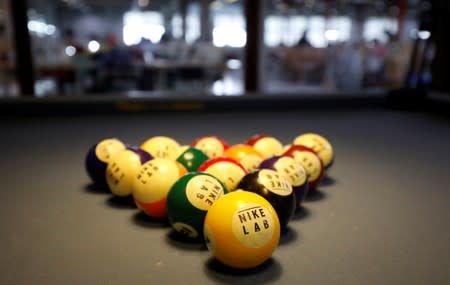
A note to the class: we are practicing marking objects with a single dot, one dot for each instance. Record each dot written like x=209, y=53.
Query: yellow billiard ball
x=162, y=147
x=266, y=145
x=122, y=168
x=241, y=230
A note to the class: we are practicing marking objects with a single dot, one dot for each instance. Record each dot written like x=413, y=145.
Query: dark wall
x=441, y=65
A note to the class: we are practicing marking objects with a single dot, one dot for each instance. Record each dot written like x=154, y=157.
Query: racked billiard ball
x=312, y=163
x=122, y=168
x=241, y=230
x=152, y=183
x=319, y=144
x=245, y=155
x=266, y=145
x=191, y=158
x=188, y=201
x=212, y=146
x=161, y=147
x=293, y=171
x=98, y=157
x=276, y=189
x=226, y=169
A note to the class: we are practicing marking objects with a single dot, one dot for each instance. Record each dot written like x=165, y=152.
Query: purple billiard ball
x=98, y=157
x=294, y=173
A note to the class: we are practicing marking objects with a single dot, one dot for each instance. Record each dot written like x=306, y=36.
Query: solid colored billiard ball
x=188, y=201
x=312, y=163
x=266, y=145
x=191, y=158
x=275, y=188
x=152, y=183
x=241, y=230
x=212, y=146
x=293, y=171
x=226, y=169
x=122, y=168
x=319, y=144
x=98, y=157
x=245, y=155
x=162, y=147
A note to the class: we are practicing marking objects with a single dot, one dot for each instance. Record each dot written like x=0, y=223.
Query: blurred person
x=303, y=59
x=397, y=61
x=374, y=64
x=348, y=66
x=117, y=67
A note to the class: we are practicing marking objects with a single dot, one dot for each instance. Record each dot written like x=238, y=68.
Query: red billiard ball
x=293, y=171
x=227, y=170
x=319, y=144
x=212, y=146
x=275, y=188
x=312, y=163
x=152, y=183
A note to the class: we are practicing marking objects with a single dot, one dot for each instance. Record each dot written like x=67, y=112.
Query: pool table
x=381, y=215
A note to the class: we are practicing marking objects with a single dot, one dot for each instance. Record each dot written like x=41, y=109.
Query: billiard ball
x=122, y=168
x=293, y=171
x=275, y=188
x=241, y=230
x=188, y=201
x=152, y=183
x=212, y=146
x=226, y=169
x=245, y=155
x=191, y=158
x=266, y=145
x=319, y=144
x=98, y=157
x=161, y=147
x=312, y=163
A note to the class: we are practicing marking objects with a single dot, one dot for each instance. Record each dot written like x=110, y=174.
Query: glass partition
x=339, y=46
x=92, y=47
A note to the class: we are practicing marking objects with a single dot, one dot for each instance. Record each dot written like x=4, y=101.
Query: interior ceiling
x=320, y=6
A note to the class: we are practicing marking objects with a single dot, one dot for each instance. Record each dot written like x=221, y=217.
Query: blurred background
x=220, y=47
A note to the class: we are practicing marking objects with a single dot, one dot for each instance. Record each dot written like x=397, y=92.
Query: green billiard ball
x=191, y=158
x=189, y=200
